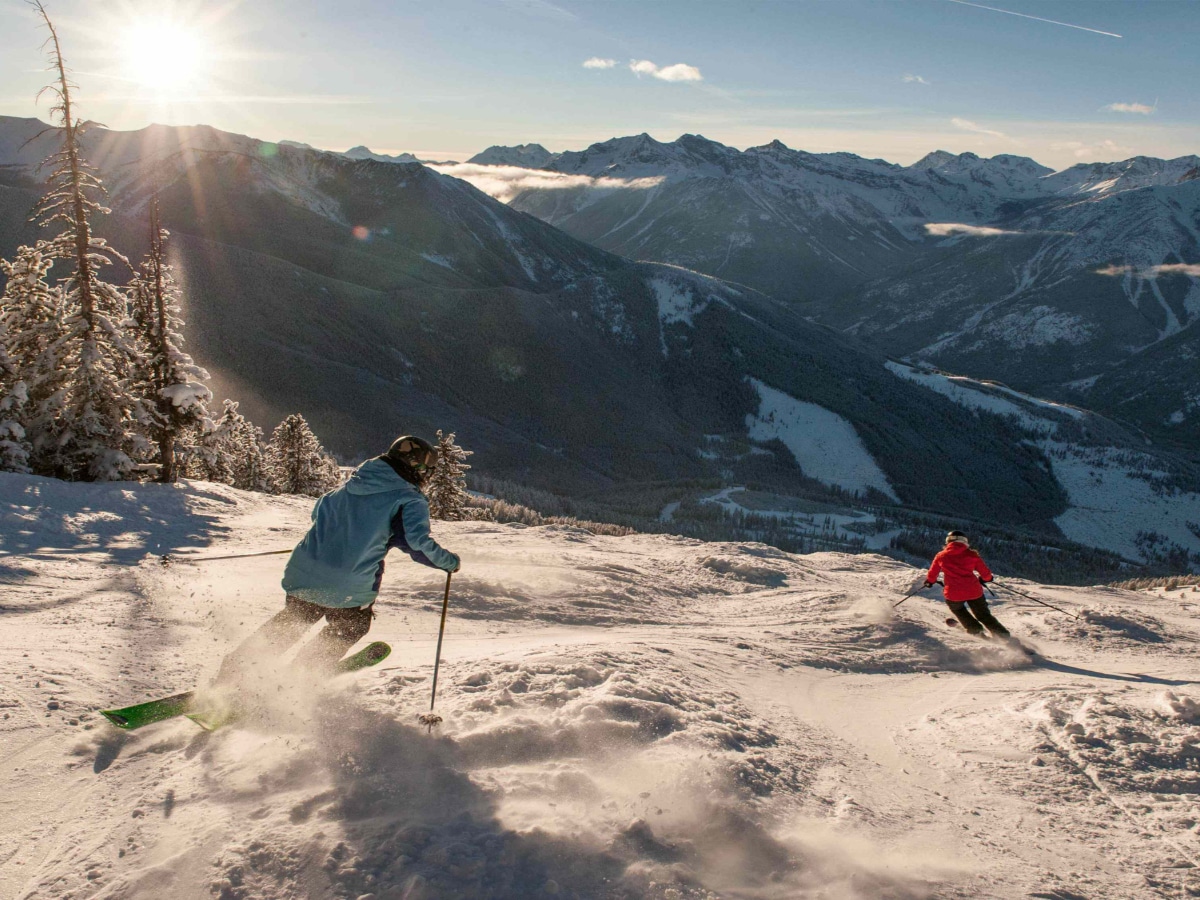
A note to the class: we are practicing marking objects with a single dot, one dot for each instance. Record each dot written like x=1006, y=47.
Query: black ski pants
x=343, y=629
x=975, y=616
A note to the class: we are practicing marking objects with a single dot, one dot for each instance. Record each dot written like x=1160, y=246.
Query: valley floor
x=645, y=716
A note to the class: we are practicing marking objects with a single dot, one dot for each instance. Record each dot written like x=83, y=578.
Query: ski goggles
x=427, y=462
x=420, y=459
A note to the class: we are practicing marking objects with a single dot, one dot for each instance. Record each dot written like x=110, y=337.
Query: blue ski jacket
x=339, y=563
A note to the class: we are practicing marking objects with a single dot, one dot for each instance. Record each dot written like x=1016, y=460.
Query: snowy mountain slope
x=796, y=225
x=826, y=445
x=1091, y=267
x=1158, y=387
x=1129, y=174
x=849, y=196
x=384, y=297
x=1081, y=271
x=1121, y=497
x=1076, y=290
x=639, y=717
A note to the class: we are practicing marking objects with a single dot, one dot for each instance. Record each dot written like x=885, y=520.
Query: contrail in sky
x=1037, y=18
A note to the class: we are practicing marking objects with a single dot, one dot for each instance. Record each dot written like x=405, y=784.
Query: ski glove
x=928, y=584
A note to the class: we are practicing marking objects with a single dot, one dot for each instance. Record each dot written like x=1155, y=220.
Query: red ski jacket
x=960, y=564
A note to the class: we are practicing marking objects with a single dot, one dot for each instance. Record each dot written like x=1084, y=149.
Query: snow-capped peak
x=524, y=156
x=1128, y=174
x=933, y=160
x=361, y=152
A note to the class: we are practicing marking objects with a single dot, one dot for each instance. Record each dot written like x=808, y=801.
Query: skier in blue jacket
x=336, y=570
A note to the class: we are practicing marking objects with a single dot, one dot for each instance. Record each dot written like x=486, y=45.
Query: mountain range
x=383, y=297
x=1075, y=284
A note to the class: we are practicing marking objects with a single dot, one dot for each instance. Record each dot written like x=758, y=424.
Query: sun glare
x=164, y=56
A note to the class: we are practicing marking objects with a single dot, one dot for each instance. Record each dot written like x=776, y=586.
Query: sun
x=164, y=56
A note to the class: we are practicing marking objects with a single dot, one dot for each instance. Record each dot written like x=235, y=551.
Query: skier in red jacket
x=965, y=575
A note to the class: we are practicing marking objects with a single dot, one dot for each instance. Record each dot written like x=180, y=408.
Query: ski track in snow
x=638, y=717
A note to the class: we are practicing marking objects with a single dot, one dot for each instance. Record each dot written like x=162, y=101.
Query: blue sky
x=445, y=79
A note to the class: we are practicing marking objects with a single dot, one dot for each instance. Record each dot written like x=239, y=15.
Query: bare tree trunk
x=83, y=235
x=170, y=424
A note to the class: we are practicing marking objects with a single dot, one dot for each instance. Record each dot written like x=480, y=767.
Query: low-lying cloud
x=597, y=62
x=914, y=79
x=1140, y=108
x=1192, y=270
x=506, y=182
x=677, y=72
x=949, y=229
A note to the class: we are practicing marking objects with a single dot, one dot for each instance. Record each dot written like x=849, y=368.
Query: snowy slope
x=624, y=717
x=1120, y=496
x=1090, y=284
x=824, y=444
x=1030, y=412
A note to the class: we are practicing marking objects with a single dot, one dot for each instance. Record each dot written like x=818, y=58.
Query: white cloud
x=505, y=182
x=597, y=63
x=677, y=72
x=910, y=79
x=968, y=125
x=948, y=229
x=1140, y=108
x=1192, y=270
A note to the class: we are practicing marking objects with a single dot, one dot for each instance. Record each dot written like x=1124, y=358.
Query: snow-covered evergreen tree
x=297, y=463
x=231, y=451
x=14, y=449
x=30, y=375
x=447, y=486
x=93, y=434
x=165, y=375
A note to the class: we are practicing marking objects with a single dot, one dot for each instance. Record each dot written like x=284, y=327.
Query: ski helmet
x=417, y=454
x=957, y=537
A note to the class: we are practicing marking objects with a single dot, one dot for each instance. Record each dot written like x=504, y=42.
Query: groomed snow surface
x=639, y=717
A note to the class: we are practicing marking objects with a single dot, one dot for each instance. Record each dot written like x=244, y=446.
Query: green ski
x=131, y=717
x=370, y=655
x=140, y=714
x=212, y=719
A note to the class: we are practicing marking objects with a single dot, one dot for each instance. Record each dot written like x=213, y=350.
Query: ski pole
x=912, y=593
x=430, y=719
x=167, y=559
x=1043, y=602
